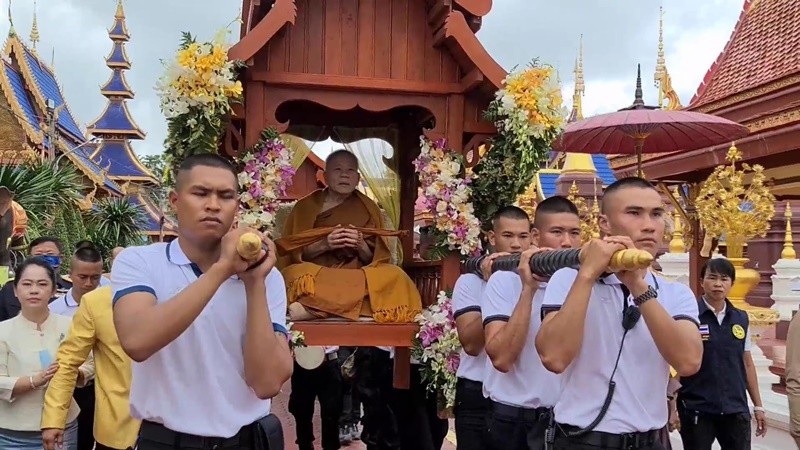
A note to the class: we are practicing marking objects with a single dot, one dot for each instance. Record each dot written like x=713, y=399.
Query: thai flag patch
x=704, y=333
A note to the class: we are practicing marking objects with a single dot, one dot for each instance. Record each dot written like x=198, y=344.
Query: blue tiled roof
x=604, y=171
x=84, y=157
x=118, y=29
x=548, y=181
x=151, y=223
x=117, y=83
x=18, y=88
x=116, y=120
x=119, y=155
x=48, y=86
x=117, y=56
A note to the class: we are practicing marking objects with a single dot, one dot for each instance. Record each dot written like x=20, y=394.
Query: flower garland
x=446, y=194
x=197, y=92
x=438, y=348
x=529, y=114
x=266, y=174
x=296, y=338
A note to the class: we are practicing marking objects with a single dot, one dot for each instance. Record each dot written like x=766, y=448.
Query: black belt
x=610, y=440
x=526, y=414
x=160, y=434
x=470, y=385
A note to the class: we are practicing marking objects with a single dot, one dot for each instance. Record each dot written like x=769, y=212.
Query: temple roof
x=153, y=216
x=117, y=86
x=124, y=165
x=115, y=120
x=119, y=31
x=118, y=57
x=546, y=179
x=762, y=49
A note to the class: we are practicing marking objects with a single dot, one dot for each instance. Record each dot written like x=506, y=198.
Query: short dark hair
x=206, y=160
x=509, y=212
x=556, y=204
x=88, y=255
x=35, y=261
x=623, y=183
x=719, y=266
x=45, y=239
x=343, y=153
x=84, y=243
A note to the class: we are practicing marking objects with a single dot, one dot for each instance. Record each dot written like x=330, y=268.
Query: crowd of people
x=184, y=343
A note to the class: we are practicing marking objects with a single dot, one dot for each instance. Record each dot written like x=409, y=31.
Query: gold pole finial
x=788, y=244
x=120, y=10
x=676, y=244
x=580, y=85
x=34, y=28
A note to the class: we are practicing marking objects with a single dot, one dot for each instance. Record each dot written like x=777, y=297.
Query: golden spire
x=34, y=28
x=662, y=78
x=788, y=245
x=580, y=86
x=594, y=221
x=578, y=163
x=120, y=11
x=11, y=30
x=676, y=245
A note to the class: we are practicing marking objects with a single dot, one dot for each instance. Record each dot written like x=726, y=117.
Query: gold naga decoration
x=590, y=216
x=729, y=207
x=85, y=203
x=662, y=78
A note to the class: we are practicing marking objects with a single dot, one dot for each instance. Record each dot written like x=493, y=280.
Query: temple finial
x=11, y=30
x=788, y=244
x=580, y=85
x=120, y=10
x=676, y=244
x=639, y=100
x=34, y=28
x=660, y=60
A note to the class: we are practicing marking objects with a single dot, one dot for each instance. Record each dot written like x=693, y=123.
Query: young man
x=323, y=383
x=712, y=404
x=510, y=233
x=589, y=313
x=85, y=272
x=521, y=390
x=206, y=331
x=92, y=331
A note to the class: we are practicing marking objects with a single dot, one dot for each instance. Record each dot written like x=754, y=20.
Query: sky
x=617, y=35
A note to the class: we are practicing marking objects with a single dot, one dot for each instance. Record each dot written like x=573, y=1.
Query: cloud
x=618, y=35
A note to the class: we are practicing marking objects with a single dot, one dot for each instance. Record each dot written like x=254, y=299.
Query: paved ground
x=280, y=406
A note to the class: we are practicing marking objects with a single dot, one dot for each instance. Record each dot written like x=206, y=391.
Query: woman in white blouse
x=28, y=345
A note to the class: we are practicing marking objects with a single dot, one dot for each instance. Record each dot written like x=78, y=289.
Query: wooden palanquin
x=390, y=69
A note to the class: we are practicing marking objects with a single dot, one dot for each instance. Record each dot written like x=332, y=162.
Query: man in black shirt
x=49, y=248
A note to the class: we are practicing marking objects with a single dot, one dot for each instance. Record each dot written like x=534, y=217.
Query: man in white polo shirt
x=615, y=336
x=522, y=391
x=510, y=233
x=86, y=274
x=206, y=331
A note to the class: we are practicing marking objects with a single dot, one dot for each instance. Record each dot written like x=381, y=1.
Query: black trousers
x=471, y=411
x=417, y=415
x=84, y=397
x=264, y=434
x=698, y=430
x=595, y=439
x=374, y=385
x=351, y=403
x=323, y=383
x=515, y=428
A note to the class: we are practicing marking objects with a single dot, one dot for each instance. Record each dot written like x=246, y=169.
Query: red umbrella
x=642, y=129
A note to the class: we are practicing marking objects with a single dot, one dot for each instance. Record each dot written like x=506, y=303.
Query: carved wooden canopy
x=365, y=63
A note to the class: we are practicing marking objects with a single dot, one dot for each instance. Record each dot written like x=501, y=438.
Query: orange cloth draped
x=336, y=282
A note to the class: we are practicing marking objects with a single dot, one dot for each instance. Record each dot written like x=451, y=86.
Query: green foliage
x=114, y=222
x=157, y=164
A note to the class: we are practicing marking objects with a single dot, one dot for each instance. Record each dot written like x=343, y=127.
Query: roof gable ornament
x=35, y=37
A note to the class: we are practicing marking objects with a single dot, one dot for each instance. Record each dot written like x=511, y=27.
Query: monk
x=344, y=272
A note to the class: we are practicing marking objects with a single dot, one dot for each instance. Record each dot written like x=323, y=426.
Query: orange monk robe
x=336, y=282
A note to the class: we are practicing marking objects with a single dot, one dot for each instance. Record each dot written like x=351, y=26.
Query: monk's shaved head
x=343, y=155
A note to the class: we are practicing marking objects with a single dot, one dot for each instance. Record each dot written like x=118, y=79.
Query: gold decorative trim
x=132, y=156
x=125, y=64
x=776, y=120
x=740, y=97
x=127, y=93
x=96, y=178
x=21, y=116
x=137, y=131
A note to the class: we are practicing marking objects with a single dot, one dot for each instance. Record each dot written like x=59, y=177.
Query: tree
x=157, y=164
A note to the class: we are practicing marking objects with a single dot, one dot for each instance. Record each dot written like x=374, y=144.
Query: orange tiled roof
x=763, y=48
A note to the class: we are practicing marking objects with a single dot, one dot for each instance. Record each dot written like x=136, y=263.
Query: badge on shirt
x=704, y=333
x=738, y=331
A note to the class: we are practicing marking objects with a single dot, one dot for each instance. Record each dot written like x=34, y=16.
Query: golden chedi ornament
x=788, y=244
x=590, y=227
x=737, y=211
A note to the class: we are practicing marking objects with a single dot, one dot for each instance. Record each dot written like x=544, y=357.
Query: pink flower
x=453, y=361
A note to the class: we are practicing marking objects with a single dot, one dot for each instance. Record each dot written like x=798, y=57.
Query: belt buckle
x=631, y=441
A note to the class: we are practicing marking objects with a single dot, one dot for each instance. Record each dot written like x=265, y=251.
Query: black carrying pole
x=544, y=264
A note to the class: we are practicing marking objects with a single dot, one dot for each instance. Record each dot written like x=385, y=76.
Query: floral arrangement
x=197, y=92
x=529, y=114
x=729, y=205
x=266, y=173
x=437, y=347
x=296, y=338
x=446, y=192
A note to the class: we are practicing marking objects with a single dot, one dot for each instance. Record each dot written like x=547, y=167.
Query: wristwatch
x=649, y=294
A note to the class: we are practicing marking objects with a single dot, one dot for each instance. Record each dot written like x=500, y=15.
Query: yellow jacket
x=93, y=330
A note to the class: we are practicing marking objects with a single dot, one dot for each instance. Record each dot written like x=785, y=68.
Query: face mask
x=53, y=261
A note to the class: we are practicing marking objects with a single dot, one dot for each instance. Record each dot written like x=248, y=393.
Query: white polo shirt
x=467, y=298
x=527, y=384
x=196, y=383
x=643, y=373
x=66, y=304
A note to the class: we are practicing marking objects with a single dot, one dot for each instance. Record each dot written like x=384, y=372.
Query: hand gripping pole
x=545, y=264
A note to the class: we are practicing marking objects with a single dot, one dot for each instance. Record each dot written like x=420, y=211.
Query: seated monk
x=335, y=258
